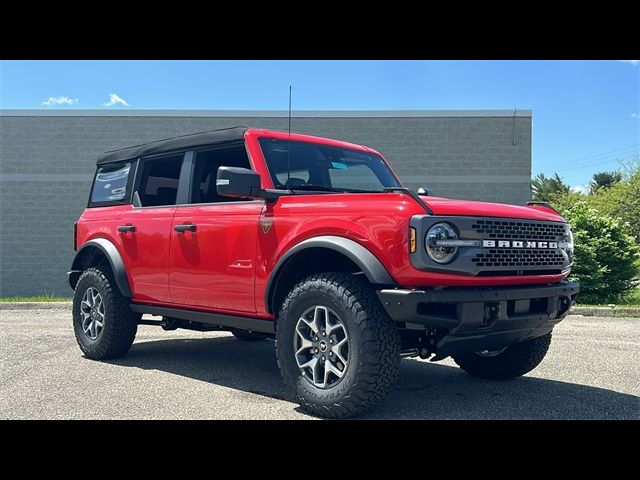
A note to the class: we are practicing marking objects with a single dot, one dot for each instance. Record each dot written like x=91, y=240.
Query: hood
x=467, y=208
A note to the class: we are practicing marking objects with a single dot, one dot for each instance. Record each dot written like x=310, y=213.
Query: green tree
x=565, y=201
x=548, y=189
x=605, y=255
x=622, y=200
x=604, y=180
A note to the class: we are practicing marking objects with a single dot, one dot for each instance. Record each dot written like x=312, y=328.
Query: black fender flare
x=115, y=260
x=366, y=261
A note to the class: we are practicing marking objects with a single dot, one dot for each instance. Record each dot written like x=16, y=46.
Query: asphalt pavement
x=591, y=372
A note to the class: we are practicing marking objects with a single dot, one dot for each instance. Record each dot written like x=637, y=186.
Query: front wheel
x=337, y=348
x=508, y=363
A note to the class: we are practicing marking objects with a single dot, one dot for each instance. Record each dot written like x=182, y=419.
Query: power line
x=601, y=161
x=593, y=156
x=616, y=156
x=599, y=164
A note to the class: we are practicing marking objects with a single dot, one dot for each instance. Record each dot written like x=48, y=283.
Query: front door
x=213, y=240
x=213, y=250
x=145, y=232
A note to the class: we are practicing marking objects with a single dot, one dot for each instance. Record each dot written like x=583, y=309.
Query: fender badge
x=266, y=225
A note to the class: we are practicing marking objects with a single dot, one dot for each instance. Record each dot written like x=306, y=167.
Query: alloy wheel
x=321, y=346
x=92, y=311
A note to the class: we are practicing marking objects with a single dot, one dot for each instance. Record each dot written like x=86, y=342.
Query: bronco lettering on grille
x=518, y=244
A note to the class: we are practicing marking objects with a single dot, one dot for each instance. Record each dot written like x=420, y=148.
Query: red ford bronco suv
x=314, y=242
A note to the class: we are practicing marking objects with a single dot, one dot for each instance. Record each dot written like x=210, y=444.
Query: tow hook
x=491, y=313
x=563, y=305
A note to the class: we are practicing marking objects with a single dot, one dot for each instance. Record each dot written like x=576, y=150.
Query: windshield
x=324, y=168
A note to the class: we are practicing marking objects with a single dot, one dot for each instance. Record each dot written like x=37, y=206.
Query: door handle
x=186, y=227
x=126, y=228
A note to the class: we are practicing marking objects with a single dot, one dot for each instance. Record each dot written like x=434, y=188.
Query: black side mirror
x=424, y=191
x=237, y=182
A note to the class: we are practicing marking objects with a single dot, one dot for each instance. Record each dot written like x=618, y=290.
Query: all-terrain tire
x=120, y=323
x=373, y=351
x=249, y=336
x=514, y=361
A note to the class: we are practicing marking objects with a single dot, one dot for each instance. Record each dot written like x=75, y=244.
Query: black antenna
x=289, y=143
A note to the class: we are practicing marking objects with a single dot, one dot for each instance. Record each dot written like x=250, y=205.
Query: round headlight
x=440, y=253
x=567, y=245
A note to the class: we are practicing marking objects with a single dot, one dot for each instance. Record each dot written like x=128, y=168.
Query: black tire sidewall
x=285, y=336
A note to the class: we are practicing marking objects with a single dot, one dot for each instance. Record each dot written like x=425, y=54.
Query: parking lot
x=590, y=372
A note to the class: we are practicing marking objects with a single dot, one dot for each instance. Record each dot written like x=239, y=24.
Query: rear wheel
x=246, y=336
x=510, y=362
x=104, y=325
x=337, y=348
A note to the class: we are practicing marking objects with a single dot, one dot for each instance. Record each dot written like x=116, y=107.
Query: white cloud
x=60, y=101
x=632, y=62
x=635, y=115
x=115, y=99
x=580, y=189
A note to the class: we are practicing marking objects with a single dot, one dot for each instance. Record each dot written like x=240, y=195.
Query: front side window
x=110, y=184
x=159, y=179
x=313, y=166
x=206, y=170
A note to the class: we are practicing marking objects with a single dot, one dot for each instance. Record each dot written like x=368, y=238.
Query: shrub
x=605, y=256
x=622, y=200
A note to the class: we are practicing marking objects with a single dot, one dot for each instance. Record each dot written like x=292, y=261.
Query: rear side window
x=110, y=184
x=159, y=181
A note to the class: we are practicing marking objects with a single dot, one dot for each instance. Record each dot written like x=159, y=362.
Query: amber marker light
x=412, y=240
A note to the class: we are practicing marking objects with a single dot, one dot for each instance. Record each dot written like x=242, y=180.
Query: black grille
x=518, y=257
x=499, y=246
x=518, y=230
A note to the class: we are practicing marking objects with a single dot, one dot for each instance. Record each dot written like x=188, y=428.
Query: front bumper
x=481, y=318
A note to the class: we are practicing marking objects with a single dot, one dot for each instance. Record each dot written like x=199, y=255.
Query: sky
x=586, y=114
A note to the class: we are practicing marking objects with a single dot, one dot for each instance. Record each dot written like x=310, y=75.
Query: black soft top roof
x=182, y=142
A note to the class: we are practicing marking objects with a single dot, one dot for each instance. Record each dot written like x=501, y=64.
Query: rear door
x=213, y=239
x=145, y=232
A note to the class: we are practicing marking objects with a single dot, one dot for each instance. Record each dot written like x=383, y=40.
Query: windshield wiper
x=322, y=188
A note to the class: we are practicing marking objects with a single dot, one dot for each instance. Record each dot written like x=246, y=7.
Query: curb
x=35, y=305
x=605, y=311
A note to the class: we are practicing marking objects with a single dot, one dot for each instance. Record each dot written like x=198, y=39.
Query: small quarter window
x=110, y=185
